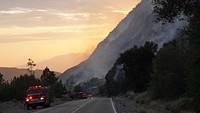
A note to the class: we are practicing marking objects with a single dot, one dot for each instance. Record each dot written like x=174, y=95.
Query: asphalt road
x=96, y=105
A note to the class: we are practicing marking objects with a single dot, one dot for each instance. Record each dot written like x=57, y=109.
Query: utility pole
x=30, y=65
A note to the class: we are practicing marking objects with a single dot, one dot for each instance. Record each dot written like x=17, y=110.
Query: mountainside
x=63, y=62
x=135, y=29
x=9, y=73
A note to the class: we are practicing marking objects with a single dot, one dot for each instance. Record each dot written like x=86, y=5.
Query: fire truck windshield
x=34, y=91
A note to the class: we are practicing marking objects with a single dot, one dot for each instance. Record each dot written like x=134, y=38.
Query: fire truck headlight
x=42, y=98
x=27, y=100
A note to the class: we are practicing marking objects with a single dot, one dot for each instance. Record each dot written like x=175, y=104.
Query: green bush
x=144, y=97
x=58, y=89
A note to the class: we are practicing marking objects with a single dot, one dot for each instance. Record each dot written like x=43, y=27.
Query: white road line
x=113, y=106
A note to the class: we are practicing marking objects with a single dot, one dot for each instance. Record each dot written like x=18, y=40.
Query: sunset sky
x=42, y=29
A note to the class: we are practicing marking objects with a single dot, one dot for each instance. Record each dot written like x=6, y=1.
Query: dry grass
x=144, y=104
x=1, y=110
x=186, y=112
x=140, y=107
x=159, y=103
x=143, y=109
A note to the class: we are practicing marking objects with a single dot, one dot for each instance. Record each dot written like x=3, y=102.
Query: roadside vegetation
x=16, y=89
x=169, y=76
x=13, y=93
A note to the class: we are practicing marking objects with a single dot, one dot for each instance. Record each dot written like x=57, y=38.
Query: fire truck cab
x=37, y=96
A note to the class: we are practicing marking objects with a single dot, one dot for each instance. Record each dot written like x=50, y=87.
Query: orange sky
x=42, y=29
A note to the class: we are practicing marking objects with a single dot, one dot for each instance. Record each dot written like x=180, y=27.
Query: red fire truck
x=37, y=96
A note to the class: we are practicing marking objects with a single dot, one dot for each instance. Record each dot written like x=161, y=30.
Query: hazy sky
x=42, y=29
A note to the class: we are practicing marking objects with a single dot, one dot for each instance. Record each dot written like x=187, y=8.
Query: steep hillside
x=135, y=29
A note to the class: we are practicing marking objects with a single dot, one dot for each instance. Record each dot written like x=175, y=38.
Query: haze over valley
x=41, y=30
x=99, y=56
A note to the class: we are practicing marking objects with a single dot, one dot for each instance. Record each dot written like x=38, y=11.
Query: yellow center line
x=82, y=106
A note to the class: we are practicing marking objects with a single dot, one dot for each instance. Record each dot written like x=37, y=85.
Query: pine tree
x=1, y=79
x=48, y=77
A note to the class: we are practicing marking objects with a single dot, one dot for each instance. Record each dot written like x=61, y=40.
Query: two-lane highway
x=96, y=105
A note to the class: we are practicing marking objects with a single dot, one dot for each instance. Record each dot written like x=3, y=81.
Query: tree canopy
x=168, y=78
x=169, y=11
x=136, y=70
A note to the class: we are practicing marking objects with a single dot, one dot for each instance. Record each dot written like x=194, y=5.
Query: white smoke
x=137, y=28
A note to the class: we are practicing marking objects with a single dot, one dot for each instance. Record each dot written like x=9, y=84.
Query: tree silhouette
x=31, y=65
x=169, y=11
x=168, y=78
x=48, y=77
x=1, y=79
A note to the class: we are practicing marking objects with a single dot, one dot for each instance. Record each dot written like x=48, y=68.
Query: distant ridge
x=9, y=73
x=62, y=62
